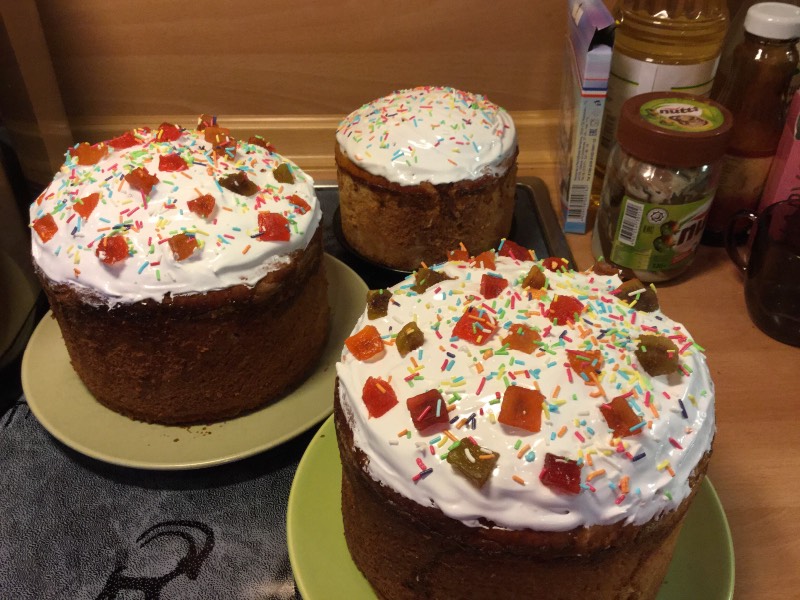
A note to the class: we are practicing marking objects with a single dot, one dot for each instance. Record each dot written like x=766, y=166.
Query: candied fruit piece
x=205, y=121
x=215, y=135
x=657, y=354
x=283, y=174
x=126, y=140
x=257, y=140
x=182, y=245
x=425, y=278
x=637, y=295
x=491, y=285
x=523, y=338
x=428, y=409
x=88, y=154
x=167, y=132
x=274, y=227
x=378, y=303
x=112, y=249
x=366, y=343
x=202, y=205
x=535, y=279
x=141, y=179
x=602, y=267
x=556, y=263
x=515, y=251
x=171, y=163
x=378, y=396
x=620, y=417
x=475, y=326
x=564, y=309
x=226, y=149
x=473, y=461
x=561, y=474
x=84, y=206
x=521, y=407
x=45, y=227
x=585, y=362
x=460, y=254
x=484, y=260
x=410, y=338
x=239, y=183
x=301, y=206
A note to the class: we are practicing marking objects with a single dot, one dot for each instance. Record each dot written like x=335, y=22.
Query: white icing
x=652, y=489
x=433, y=134
x=230, y=254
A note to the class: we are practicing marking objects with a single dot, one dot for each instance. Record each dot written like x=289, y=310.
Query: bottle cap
x=674, y=129
x=773, y=20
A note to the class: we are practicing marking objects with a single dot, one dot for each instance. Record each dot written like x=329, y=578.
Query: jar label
x=658, y=237
x=682, y=114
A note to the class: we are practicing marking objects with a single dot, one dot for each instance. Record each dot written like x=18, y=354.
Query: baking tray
x=535, y=226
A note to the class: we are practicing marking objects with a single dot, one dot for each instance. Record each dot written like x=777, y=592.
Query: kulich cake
x=184, y=268
x=421, y=171
x=506, y=425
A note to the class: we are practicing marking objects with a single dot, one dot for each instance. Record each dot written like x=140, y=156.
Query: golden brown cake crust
x=410, y=551
x=199, y=358
x=401, y=226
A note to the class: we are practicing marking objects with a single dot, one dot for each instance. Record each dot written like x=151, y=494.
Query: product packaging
x=587, y=64
x=783, y=182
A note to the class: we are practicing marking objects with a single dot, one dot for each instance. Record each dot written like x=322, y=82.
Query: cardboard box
x=590, y=36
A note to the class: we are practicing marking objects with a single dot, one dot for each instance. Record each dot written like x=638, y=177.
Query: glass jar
x=660, y=181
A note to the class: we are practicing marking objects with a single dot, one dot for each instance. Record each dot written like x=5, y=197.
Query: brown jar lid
x=674, y=129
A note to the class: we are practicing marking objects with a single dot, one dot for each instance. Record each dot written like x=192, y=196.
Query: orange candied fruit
x=620, y=417
x=378, y=396
x=45, y=227
x=491, y=286
x=182, y=245
x=215, y=135
x=141, y=179
x=485, y=260
x=112, y=249
x=257, y=140
x=365, y=344
x=202, y=205
x=564, y=309
x=171, y=163
x=167, y=132
x=84, y=206
x=88, y=154
x=126, y=140
x=459, y=254
x=515, y=251
x=475, y=326
x=301, y=206
x=523, y=338
x=585, y=362
x=522, y=408
x=204, y=121
x=273, y=227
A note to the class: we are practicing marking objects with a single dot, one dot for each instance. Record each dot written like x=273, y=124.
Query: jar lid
x=674, y=129
x=773, y=20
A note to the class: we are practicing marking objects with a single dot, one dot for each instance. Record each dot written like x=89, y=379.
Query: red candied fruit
x=167, y=132
x=521, y=407
x=428, y=409
x=475, y=326
x=491, y=286
x=620, y=417
x=88, y=154
x=86, y=205
x=301, y=206
x=561, y=474
x=485, y=260
x=523, y=338
x=112, y=249
x=274, y=227
x=182, y=245
x=126, y=140
x=365, y=344
x=515, y=251
x=585, y=362
x=564, y=309
x=202, y=205
x=556, y=263
x=257, y=140
x=204, y=121
x=460, y=254
x=378, y=396
x=171, y=163
x=141, y=179
x=46, y=227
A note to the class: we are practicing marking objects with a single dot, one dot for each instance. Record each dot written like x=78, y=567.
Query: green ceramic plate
x=701, y=568
x=68, y=411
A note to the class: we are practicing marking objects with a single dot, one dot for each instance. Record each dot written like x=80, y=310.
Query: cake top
x=171, y=211
x=533, y=408
x=429, y=134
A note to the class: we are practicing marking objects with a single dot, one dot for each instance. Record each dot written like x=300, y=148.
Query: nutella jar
x=659, y=184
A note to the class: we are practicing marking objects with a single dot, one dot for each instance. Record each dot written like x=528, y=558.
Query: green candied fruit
x=637, y=295
x=657, y=354
x=473, y=461
x=283, y=174
x=378, y=303
x=410, y=338
x=425, y=278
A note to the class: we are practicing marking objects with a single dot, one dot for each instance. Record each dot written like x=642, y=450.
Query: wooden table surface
x=755, y=466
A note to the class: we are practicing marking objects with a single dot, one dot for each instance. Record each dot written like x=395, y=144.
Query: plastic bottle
x=660, y=45
x=755, y=91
